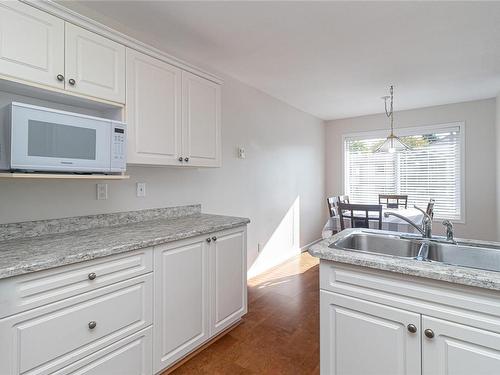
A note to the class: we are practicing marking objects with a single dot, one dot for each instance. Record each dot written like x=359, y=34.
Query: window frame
x=414, y=130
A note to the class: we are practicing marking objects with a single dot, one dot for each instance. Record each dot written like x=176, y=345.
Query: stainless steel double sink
x=466, y=253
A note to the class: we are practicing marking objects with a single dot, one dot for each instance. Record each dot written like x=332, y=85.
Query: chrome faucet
x=449, y=231
x=426, y=227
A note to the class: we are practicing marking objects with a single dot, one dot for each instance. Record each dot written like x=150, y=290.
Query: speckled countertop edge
x=25, y=255
x=430, y=270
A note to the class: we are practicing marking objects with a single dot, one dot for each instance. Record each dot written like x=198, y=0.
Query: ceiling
x=330, y=59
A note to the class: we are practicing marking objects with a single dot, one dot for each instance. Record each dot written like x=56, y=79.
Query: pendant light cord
x=390, y=114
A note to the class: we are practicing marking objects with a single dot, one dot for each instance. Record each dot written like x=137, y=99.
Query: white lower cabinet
x=181, y=300
x=228, y=279
x=457, y=349
x=48, y=338
x=379, y=323
x=360, y=337
x=200, y=289
x=135, y=313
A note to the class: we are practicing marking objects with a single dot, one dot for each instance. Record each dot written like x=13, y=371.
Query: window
x=431, y=169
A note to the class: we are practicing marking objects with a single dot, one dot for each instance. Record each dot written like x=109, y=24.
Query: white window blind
x=431, y=169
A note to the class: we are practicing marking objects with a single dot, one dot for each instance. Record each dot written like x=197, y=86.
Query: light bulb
x=392, y=150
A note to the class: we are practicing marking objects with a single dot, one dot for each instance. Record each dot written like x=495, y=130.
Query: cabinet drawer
x=130, y=356
x=32, y=290
x=459, y=303
x=45, y=339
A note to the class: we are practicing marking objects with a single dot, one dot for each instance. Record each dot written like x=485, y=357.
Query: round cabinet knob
x=214, y=238
x=186, y=159
x=60, y=77
x=429, y=333
x=92, y=276
x=92, y=324
x=209, y=240
x=180, y=158
x=412, y=328
x=72, y=82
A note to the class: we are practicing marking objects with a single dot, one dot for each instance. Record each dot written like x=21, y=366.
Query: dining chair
x=343, y=198
x=430, y=208
x=359, y=214
x=393, y=200
x=332, y=203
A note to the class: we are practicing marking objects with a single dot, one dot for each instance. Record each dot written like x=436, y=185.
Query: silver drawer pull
x=92, y=324
x=92, y=276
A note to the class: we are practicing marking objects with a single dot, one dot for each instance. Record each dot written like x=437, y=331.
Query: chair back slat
x=359, y=214
x=343, y=198
x=393, y=200
x=332, y=203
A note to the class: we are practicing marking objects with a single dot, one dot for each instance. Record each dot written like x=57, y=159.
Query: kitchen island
x=383, y=314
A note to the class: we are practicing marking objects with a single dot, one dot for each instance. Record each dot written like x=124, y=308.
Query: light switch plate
x=141, y=189
x=102, y=192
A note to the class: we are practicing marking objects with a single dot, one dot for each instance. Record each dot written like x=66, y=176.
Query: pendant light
x=392, y=143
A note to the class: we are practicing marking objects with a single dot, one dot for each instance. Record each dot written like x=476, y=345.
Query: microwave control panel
x=118, y=142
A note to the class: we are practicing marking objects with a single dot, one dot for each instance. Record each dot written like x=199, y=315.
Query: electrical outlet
x=102, y=192
x=241, y=152
x=141, y=189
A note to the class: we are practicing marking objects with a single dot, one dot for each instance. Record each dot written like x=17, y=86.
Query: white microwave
x=38, y=139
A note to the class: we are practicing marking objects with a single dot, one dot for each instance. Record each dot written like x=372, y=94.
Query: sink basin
x=485, y=258
x=379, y=243
x=478, y=254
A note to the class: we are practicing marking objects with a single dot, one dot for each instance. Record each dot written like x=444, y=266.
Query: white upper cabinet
x=173, y=116
x=32, y=45
x=95, y=65
x=153, y=110
x=201, y=102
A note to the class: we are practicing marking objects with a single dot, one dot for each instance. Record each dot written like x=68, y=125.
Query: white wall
x=498, y=163
x=285, y=160
x=480, y=156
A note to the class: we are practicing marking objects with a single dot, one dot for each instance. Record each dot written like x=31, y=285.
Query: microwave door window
x=53, y=140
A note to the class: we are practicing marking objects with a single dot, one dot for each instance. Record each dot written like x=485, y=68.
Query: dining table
x=390, y=223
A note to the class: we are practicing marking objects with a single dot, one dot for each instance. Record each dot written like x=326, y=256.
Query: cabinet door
x=153, y=110
x=32, y=44
x=96, y=64
x=201, y=137
x=228, y=292
x=456, y=349
x=361, y=337
x=181, y=306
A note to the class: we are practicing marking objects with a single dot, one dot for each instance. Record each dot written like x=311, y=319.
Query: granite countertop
x=28, y=254
x=431, y=270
